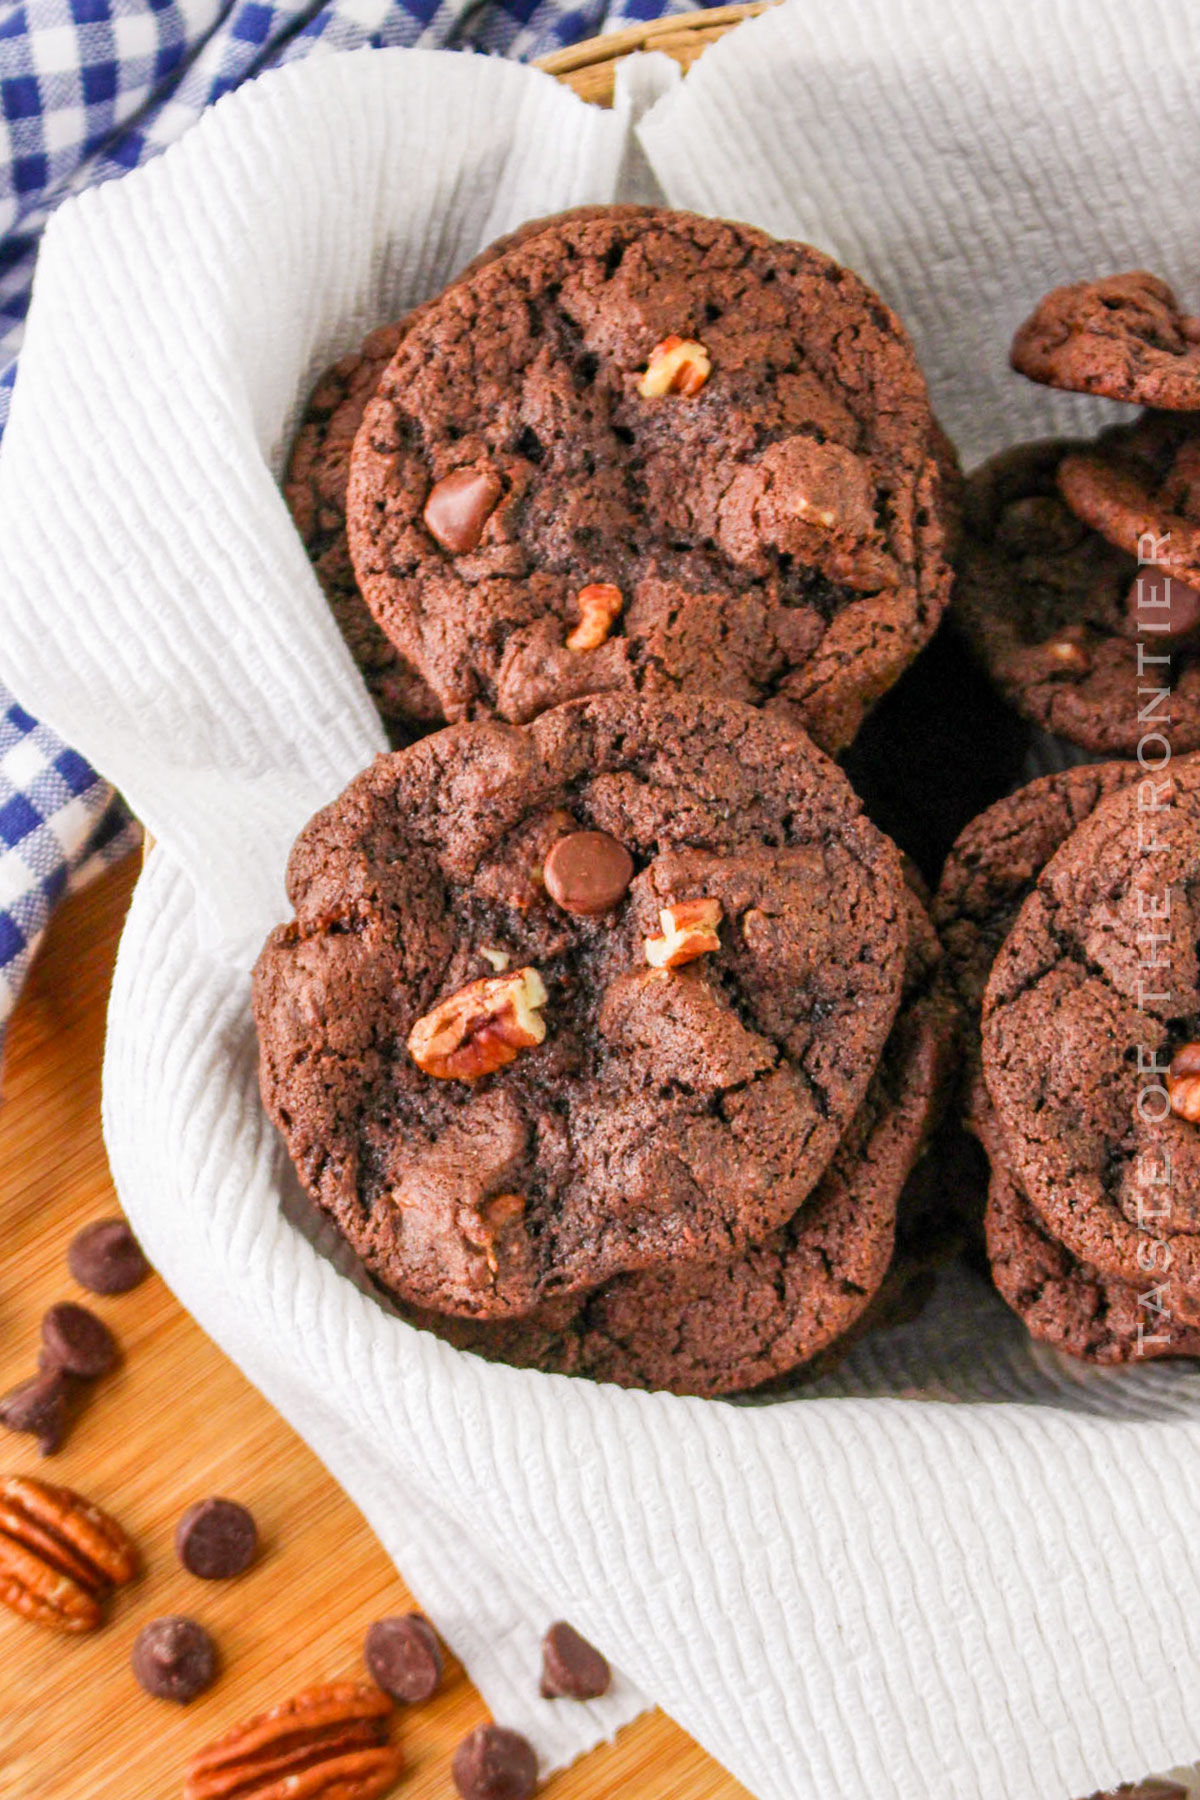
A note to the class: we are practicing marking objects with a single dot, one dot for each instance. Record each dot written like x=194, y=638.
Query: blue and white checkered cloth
x=88, y=90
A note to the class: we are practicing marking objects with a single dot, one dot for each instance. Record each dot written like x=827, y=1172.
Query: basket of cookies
x=584, y=716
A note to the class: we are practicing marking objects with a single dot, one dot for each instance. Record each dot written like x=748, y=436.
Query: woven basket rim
x=680, y=35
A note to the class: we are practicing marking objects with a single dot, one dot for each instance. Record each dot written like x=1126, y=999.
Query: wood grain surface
x=176, y=1422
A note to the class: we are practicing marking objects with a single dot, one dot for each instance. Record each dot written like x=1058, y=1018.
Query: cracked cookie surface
x=715, y=1328
x=1139, y=487
x=1125, y=337
x=772, y=522
x=314, y=488
x=1063, y=1300
x=669, y=1114
x=1092, y=994
x=988, y=875
x=1066, y=623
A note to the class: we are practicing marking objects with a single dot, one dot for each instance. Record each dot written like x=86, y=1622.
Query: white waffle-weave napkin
x=992, y=1590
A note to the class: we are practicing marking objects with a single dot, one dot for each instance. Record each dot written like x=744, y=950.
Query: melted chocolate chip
x=588, y=872
x=106, y=1258
x=75, y=1340
x=459, y=507
x=216, y=1539
x=1162, y=605
x=495, y=1764
x=404, y=1658
x=174, y=1659
x=572, y=1669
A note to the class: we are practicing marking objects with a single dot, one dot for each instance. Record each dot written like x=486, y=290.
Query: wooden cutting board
x=176, y=1422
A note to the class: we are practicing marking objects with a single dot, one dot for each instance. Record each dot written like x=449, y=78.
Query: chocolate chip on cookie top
x=488, y=1136
x=1093, y=997
x=728, y=1326
x=315, y=491
x=1062, y=619
x=1125, y=337
x=651, y=452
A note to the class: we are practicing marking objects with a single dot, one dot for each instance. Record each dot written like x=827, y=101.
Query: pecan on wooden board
x=60, y=1556
x=329, y=1743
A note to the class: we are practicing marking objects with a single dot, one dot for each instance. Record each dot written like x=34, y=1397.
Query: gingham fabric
x=88, y=90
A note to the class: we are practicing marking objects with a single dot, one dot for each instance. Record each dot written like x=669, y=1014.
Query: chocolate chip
x=495, y=1764
x=1162, y=605
x=588, y=872
x=174, y=1659
x=404, y=1657
x=572, y=1669
x=40, y=1406
x=106, y=1258
x=216, y=1539
x=459, y=506
x=74, y=1339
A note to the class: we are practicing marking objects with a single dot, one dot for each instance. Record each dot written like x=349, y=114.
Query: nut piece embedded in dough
x=599, y=605
x=676, y=366
x=481, y=1028
x=689, y=930
x=1183, y=1083
x=1066, y=655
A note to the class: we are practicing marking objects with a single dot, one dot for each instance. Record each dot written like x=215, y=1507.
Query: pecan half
x=599, y=604
x=329, y=1741
x=676, y=366
x=481, y=1028
x=689, y=930
x=1183, y=1083
x=60, y=1556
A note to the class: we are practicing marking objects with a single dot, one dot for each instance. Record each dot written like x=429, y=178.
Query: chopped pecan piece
x=1183, y=1083
x=481, y=1028
x=1065, y=654
x=676, y=366
x=495, y=1216
x=599, y=604
x=329, y=1741
x=689, y=930
x=60, y=1557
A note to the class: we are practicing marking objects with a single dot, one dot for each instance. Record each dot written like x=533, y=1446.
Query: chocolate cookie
x=989, y=873
x=1090, y=1028
x=653, y=452
x=315, y=490
x=1125, y=337
x=1062, y=1300
x=1064, y=622
x=1065, y=1302
x=500, y=1096
x=725, y=1327
x=1139, y=487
